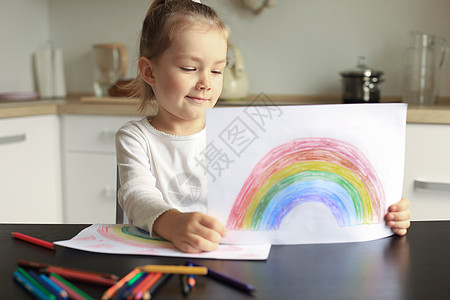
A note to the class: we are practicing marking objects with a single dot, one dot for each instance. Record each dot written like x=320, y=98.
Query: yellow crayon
x=174, y=269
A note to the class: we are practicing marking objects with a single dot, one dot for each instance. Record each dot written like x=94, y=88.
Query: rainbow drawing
x=314, y=169
x=131, y=235
x=130, y=240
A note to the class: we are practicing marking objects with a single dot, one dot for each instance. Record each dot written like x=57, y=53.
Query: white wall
x=77, y=25
x=296, y=47
x=24, y=28
x=300, y=46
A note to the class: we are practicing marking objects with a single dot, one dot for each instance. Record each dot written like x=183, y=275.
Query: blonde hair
x=164, y=18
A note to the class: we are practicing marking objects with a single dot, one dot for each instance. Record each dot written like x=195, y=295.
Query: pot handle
x=444, y=49
x=361, y=62
x=124, y=58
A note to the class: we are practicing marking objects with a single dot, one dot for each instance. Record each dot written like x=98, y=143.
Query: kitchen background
x=294, y=47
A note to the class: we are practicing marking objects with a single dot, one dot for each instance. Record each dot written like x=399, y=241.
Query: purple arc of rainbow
x=332, y=171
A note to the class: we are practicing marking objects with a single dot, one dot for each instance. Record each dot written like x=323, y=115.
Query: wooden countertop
x=425, y=114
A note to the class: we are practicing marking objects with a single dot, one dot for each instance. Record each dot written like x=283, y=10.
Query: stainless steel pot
x=361, y=84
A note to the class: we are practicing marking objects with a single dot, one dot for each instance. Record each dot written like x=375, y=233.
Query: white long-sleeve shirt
x=159, y=172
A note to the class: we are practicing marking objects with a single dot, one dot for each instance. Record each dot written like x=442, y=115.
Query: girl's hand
x=398, y=217
x=190, y=232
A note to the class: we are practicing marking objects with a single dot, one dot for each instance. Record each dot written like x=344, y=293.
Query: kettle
x=235, y=81
x=111, y=61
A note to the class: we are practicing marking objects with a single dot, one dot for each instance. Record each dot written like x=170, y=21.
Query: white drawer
x=90, y=188
x=92, y=133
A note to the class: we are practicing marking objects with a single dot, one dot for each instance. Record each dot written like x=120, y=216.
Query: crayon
x=156, y=286
x=185, y=289
x=80, y=276
x=72, y=294
x=33, y=240
x=53, y=287
x=113, y=289
x=174, y=269
x=132, y=284
x=23, y=281
x=145, y=284
x=228, y=280
x=40, y=266
x=36, y=283
x=72, y=290
x=191, y=278
x=120, y=292
x=44, y=285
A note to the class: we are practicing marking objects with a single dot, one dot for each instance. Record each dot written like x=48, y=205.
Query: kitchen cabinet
x=30, y=187
x=89, y=167
x=427, y=171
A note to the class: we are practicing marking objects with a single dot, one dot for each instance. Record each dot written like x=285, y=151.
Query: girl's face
x=188, y=76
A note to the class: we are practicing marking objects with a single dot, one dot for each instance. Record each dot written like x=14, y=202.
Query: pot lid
x=362, y=69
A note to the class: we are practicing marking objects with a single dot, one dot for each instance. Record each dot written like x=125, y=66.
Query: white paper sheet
x=127, y=239
x=305, y=174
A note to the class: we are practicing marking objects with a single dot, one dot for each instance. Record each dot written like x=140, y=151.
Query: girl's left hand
x=398, y=217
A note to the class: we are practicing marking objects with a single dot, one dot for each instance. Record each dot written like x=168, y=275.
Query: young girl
x=163, y=184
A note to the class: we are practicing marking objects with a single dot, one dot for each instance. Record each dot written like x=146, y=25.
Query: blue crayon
x=35, y=291
x=53, y=287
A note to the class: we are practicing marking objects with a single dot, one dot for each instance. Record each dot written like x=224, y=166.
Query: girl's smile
x=198, y=100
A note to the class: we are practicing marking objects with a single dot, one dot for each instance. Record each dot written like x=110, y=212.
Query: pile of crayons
x=47, y=282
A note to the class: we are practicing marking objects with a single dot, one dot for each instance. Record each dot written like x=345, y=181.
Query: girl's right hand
x=190, y=232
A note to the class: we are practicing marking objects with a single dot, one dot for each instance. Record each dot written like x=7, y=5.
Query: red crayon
x=33, y=240
x=80, y=276
x=41, y=266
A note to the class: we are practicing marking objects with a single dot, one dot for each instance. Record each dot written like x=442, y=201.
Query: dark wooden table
x=413, y=267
